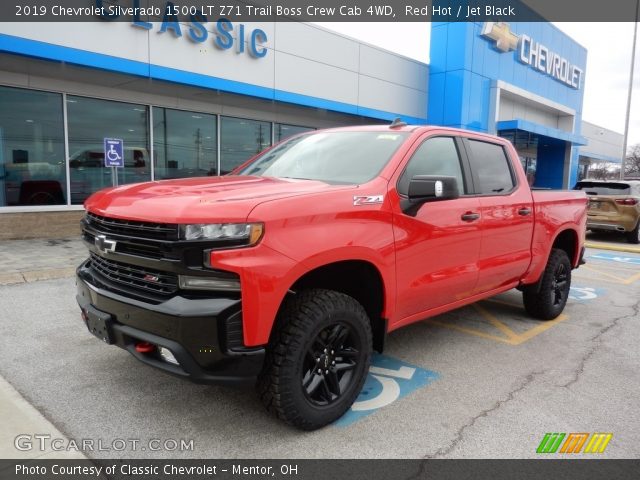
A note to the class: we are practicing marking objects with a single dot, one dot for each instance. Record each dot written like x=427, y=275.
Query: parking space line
x=529, y=334
x=620, y=280
x=470, y=331
x=511, y=337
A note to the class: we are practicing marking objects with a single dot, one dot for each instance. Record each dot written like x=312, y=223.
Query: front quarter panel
x=304, y=233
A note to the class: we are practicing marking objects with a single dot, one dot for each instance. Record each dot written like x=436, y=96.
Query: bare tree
x=602, y=171
x=632, y=163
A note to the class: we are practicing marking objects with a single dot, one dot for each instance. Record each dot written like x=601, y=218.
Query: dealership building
x=191, y=99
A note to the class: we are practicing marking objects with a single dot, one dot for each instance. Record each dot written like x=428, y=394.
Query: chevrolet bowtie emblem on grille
x=501, y=33
x=104, y=245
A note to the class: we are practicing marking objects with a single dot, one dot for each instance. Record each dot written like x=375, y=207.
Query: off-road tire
x=303, y=319
x=548, y=301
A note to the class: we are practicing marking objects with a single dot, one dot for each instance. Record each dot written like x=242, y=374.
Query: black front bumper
x=197, y=331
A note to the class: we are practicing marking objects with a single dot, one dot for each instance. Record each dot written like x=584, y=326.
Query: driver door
x=437, y=249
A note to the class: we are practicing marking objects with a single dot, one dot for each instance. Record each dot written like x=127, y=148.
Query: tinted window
x=491, y=166
x=32, y=163
x=436, y=156
x=184, y=144
x=332, y=157
x=604, y=188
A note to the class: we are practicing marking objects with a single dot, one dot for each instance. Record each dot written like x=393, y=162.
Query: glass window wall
x=241, y=139
x=32, y=165
x=283, y=131
x=90, y=121
x=184, y=144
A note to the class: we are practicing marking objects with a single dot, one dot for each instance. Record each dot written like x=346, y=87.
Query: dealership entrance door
x=546, y=160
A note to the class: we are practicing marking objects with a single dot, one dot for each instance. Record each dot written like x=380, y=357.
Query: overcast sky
x=608, y=62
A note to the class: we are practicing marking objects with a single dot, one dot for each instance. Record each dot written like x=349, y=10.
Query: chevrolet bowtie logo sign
x=532, y=53
x=501, y=33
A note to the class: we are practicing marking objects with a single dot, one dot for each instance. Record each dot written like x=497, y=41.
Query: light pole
x=626, y=121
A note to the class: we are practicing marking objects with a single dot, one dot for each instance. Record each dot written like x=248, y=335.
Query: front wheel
x=548, y=301
x=317, y=360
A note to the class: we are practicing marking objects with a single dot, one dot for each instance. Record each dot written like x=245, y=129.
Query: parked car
x=614, y=206
x=295, y=268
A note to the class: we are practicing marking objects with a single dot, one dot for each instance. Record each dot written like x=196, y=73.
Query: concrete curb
x=19, y=417
x=615, y=248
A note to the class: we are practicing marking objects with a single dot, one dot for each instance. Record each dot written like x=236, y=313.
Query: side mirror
x=429, y=188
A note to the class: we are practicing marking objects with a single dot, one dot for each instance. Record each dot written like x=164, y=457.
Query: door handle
x=524, y=211
x=470, y=216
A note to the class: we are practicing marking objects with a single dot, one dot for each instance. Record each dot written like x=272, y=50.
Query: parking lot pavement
x=23, y=261
x=484, y=381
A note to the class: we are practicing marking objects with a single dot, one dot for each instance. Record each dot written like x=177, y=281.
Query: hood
x=197, y=200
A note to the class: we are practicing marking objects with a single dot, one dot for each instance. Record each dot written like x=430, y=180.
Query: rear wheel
x=317, y=360
x=634, y=235
x=548, y=301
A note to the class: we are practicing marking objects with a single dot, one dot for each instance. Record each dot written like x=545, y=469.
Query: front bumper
x=196, y=331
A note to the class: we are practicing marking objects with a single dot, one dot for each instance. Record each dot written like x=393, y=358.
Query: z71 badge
x=367, y=199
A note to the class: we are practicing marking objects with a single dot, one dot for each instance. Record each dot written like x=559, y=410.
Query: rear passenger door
x=507, y=216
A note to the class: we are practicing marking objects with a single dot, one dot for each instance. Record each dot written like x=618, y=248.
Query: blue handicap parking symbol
x=389, y=379
x=612, y=257
x=113, y=152
x=582, y=294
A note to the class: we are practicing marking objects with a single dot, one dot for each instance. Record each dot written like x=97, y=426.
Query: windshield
x=332, y=157
x=604, y=188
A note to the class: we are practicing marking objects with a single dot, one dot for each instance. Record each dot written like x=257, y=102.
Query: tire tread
x=298, y=316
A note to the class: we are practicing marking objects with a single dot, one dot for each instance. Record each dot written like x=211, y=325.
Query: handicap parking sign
x=113, y=152
x=389, y=380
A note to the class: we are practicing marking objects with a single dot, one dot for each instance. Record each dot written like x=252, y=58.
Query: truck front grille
x=134, y=278
x=131, y=228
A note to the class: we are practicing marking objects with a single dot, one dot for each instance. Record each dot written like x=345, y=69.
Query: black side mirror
x=429, y=188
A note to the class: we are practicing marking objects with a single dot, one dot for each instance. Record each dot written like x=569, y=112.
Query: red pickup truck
x=295, y=267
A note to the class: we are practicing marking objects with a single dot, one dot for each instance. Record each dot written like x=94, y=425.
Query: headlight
x=243, y=233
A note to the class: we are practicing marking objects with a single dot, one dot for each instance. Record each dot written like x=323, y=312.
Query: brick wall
x=40, y=225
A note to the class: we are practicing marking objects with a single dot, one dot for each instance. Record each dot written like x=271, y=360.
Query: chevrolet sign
x=534, y=54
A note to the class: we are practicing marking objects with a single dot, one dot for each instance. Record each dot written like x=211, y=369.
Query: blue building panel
x=472, y=62
x=435, y=107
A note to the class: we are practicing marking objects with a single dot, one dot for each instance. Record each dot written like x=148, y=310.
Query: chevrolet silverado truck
x=291, y=270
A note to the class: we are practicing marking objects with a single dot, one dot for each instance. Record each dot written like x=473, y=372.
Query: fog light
x=167, y=356
x=209, y=283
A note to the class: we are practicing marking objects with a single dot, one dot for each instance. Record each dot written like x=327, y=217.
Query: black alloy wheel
x=330, y=363
x=547, y=298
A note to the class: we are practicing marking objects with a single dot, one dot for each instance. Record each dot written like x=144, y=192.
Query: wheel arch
x=568, y=241
x=360, y=279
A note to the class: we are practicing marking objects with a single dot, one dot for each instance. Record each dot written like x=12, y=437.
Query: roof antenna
x=397, y=123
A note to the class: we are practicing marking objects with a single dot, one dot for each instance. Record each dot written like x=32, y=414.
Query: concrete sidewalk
x=19, y=417
x=24, y=261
